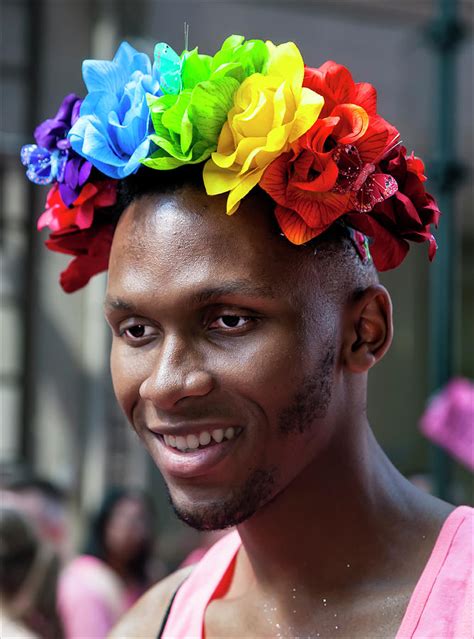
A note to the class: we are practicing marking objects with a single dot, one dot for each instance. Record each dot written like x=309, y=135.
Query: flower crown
x=252, y=114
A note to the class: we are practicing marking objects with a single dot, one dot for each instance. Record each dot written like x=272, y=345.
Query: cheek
x=128, y=373
x=267, y=370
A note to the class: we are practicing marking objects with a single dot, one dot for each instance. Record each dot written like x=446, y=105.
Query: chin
x=231, y=509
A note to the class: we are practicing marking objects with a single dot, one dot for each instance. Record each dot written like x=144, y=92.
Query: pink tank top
x=441, y=605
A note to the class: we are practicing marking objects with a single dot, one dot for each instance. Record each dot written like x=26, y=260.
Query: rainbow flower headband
x=252, y=114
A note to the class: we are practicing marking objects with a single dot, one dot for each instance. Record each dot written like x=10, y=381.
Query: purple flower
x=51, y=135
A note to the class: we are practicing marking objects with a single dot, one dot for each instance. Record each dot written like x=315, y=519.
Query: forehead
x=186, y=241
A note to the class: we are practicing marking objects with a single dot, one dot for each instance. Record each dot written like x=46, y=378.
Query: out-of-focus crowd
x=48, y=591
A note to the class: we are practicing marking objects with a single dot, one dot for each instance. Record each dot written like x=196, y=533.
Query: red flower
x=58, y=216
x=91, y=248
x=332, y=168
x=407, y=215
x=334, y=82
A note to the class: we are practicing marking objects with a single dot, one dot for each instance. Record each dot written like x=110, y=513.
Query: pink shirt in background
x=441, y=606
x=91, y=598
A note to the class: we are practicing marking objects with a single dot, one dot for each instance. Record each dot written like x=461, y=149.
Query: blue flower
x=114, y=124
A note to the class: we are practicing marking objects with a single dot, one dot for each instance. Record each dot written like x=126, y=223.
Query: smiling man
x=241, y=361
x=242, y=342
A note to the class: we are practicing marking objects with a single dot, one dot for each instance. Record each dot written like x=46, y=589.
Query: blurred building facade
x=57, y=405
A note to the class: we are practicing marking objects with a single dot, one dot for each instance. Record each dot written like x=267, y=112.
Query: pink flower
x=80, y=214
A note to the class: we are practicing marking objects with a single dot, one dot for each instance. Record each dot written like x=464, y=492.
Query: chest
x=375, y=615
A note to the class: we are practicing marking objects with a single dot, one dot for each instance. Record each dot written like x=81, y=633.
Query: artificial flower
x=270, y=112
x=43, y=166
x=76, y=173
x=52, y=133
x=200, y=91
x=331, y=169
x=52, y=158
x=91, y=248
x=114, y=124
x=80, y=214
x=407, y=215
x=334, y=82
x=311, y=138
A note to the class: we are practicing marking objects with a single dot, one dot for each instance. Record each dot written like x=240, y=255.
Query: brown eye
x=231, y=321
x=136, y=331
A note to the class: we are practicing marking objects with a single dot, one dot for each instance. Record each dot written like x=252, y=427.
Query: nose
x=177, y=373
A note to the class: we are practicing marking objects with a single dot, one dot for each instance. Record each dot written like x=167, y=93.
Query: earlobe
x=368, y=329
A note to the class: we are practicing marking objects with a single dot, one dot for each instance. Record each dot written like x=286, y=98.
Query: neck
x=324, y=530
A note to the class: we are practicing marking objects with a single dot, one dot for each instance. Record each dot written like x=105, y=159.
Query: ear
x=368, y=329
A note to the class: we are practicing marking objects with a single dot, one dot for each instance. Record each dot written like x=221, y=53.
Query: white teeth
x=181, y=443
x=204, y=438
x=218, y=435
x=192, y=441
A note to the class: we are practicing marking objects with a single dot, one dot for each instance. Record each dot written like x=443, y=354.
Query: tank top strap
x=186, y=615
x=441, y=604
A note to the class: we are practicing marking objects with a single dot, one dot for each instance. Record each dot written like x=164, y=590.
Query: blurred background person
x=29, y=571
x=97, y=587
x=44, y=502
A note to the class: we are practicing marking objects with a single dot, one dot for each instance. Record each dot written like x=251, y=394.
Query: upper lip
x=188, y=428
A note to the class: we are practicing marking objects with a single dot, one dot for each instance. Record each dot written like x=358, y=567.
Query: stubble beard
x=309, y=403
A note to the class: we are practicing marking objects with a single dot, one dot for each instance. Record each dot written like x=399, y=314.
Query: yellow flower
x=270, y=112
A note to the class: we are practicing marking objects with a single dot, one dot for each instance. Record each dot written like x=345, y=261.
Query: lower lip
x=193, y=463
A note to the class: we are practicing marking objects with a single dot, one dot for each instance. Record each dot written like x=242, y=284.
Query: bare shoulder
x=143, y=621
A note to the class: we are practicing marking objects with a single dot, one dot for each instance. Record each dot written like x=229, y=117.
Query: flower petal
x=293, y=226
x=388, y=250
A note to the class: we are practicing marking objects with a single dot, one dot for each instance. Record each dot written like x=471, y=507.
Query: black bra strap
x=168, y=610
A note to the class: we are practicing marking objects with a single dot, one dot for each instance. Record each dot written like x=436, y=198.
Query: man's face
x=224, y=351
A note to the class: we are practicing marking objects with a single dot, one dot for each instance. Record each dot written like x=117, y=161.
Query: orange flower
x=331, y=169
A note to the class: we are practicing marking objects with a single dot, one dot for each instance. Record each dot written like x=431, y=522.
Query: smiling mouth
x=198, y=441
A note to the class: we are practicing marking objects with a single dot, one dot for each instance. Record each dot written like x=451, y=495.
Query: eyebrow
x=205, y=295
x=232, y=288
x=117, y=304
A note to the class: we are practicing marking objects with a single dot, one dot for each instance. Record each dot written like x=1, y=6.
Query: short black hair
x=150, y=182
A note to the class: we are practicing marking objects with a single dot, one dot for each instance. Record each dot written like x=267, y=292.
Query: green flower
x=188, y=122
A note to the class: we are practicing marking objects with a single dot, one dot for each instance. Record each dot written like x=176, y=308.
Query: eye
x=137, y=332
x=231, y=321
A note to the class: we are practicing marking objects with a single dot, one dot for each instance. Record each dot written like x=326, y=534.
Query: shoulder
x=145, y=618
